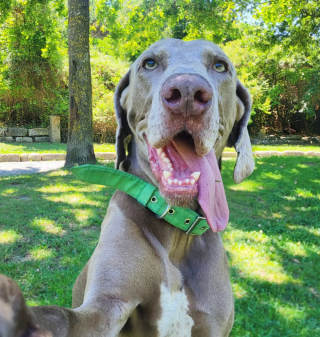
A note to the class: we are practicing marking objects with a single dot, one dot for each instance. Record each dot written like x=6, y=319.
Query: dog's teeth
x=167, y=160
x=187, y=181
x=180, y=182
x=169, y=165
x=159, y=151
x=167, y=174
x=170, y=169
x=169, y=181
x=175, y=181
x=192, y=181
x=163, y=155
x=195, y=175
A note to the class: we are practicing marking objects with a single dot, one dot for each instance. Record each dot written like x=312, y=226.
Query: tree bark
x=80, y=138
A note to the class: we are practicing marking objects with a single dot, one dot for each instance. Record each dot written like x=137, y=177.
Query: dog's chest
x=175, y=319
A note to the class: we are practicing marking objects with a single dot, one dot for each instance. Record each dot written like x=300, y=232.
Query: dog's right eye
x=149, y=64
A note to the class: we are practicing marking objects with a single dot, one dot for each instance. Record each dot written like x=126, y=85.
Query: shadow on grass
x=33, y=147
x=273, y=247
x=49, y=227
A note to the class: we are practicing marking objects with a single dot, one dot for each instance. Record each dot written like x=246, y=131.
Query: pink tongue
x=212, y=197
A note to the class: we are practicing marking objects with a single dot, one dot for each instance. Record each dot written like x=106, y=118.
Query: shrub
x=106, y=73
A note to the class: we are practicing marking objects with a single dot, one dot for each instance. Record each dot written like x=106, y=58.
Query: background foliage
x=274, y=46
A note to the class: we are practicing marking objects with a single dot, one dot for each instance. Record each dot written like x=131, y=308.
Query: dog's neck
x=179, y=246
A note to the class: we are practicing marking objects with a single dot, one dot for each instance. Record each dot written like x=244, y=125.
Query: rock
x=266, y=153
x=9, y=157
x=274, y=153
x=2, y=139
x=53, y=156
x=296, y=142
x=255, y=141
x=276, y=141
x=38, y=132
x=316, y=139
x=2, y=133
x=262, y=153
x=306, y=139
x=9, y=139
x=105, y=155
x=24, y=140
x=262, y=134
x=229, y=154
x=16, y=132
x=310, y=153
x=55, y=134
x=42, y=139
x=35, y=156
x=296, y=137
x=24, y=157
x=293, y=153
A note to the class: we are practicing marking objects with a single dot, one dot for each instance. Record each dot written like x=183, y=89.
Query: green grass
x=283, y=147
x=62, y=148
x=50, y=224
x=14, y=148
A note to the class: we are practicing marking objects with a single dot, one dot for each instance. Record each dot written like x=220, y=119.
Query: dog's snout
x=186, y=94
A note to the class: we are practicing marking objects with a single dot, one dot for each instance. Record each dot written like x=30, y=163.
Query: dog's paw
x=16, y=319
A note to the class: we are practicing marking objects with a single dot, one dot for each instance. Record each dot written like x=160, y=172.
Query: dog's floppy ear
x=239, y=137
x=123, y=130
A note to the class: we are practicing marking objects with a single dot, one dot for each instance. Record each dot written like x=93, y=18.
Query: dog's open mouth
x=184, y=175
x=172, y=172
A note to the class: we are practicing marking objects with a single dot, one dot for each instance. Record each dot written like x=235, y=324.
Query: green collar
x=146, y=194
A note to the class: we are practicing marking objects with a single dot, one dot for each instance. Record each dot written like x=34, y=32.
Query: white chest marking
x=175, y=320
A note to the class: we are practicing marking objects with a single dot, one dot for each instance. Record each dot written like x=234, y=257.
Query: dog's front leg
x=97, y=318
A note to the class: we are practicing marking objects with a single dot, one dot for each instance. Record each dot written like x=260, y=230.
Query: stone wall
x=285, y=139
x=22, y=135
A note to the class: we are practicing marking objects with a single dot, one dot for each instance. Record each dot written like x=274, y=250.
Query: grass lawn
x=18, y=148
x=50, y=223
x=283, y=147
x=62, y=148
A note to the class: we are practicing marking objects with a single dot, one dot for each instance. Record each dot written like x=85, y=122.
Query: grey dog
x=177, y=108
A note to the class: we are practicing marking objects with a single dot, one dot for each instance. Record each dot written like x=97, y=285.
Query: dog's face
x=182, y=103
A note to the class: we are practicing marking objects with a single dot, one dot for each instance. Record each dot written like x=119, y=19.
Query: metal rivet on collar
x=202, y=228
x=187, y=221
x=171, y=211
x=154, y=199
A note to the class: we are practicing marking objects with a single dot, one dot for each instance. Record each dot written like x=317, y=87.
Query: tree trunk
x=80, y=138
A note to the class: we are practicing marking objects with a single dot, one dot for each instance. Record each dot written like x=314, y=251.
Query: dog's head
x=181, y=103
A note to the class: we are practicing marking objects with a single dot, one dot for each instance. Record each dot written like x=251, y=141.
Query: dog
x=177, y=108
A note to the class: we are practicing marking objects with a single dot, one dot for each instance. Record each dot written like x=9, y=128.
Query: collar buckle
x=164, y=213
x=194, y=225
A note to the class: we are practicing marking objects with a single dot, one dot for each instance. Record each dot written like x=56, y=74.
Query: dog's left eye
x=150, y=64
x=220, y=67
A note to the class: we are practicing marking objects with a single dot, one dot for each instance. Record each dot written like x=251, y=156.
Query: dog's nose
x=186, y=94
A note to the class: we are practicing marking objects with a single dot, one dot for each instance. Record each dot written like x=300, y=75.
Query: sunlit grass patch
x=255, y=256
x=295, y=249
x=41, y=253
x=8, y=236
x=47, y=225
x=248, y=186
x=8, y=192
